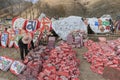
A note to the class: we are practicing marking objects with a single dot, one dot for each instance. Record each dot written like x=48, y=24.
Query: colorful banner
x=5, y=63
x=4, y=40
x=14, y=36
x=101, y=25
x=17, y=38
x=18, y=23
x=46, y=25
x=11, y=38
x=17, y=67
x=31, y=25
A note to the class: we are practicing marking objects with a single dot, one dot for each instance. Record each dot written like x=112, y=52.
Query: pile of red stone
x=34, y=63
x=58, y=64
x=102, y=54
x=61, y=65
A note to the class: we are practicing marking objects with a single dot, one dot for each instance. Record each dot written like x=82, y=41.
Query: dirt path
x=3, y=79
x=86, y=73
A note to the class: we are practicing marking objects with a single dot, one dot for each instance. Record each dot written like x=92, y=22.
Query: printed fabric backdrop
x=67, y=25
x=101, y=25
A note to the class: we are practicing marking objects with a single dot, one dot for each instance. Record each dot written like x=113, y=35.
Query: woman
x=23, y=45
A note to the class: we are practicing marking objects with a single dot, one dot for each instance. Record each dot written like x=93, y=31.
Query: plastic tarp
x=67, y=25
x=97, y=24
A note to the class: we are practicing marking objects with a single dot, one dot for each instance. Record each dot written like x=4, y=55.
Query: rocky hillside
x=86, y=8
x=13, y=8
x=60, y=8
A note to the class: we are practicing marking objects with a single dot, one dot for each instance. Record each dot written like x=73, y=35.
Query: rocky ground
x=86, y=73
